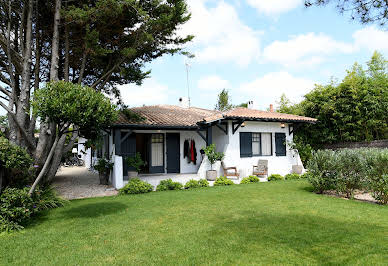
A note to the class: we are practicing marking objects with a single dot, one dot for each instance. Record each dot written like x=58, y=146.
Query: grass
x=266, y=223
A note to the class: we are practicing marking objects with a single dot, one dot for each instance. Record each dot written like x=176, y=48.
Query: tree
x=353, y=110
x=287, y=107
x=100, y=44
x=224, y=101
x=366, y=11
x=66, y=104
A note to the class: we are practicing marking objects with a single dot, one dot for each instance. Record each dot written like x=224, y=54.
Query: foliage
x=363, y=10
x=348, y=170
x=223, y=181
x=212, y=155
x=203, y=183
x=136, y=186
x=284, y=105
x=224, y=101
x=250, y=179
x=304, y=175
x=135, y=162
x=192, y=184
x=379, y=188
x=66, y=103
x=17, y=163
x=103, y=166
x=300, y=147
x=275, y=177
x=322, y=170
x=377, y=171
x=352, y=110
x=292, y=176
x=17, y=206
x=131, y=115
x=3, y=120
x=168, y=184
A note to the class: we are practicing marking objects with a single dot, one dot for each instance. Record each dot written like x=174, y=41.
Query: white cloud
x=212, y=83
x=274, y=7
x=267, y=89
x=149, y=93
x=371, y=39
x=305, y=50
x=220, y=35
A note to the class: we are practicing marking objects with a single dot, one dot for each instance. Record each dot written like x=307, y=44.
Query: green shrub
x=275, y=177
x=203, y=183
x=136, y=186
x=377, y=172
x=292, y=176
x=322, y=170
x=192, y=184
x=17, y=207
x=304, y=176
x=168, y=184
x=250, y=179
x=223, y=181
x=351, y=171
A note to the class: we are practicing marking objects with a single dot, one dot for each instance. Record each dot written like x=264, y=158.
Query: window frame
x=260, y=141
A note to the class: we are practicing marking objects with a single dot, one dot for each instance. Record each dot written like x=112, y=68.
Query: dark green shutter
x=245, y=144
x=280, y=142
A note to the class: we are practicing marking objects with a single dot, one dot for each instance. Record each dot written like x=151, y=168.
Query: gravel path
x=79, y=182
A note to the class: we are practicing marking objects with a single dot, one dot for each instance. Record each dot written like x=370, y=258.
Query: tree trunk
x=55, y=44
x=45, y=166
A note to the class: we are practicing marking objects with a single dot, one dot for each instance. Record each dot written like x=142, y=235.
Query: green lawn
x=266, y=223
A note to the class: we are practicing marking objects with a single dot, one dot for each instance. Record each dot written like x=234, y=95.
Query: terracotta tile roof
x=171, y=115
x=167, y=115
x=245, y=113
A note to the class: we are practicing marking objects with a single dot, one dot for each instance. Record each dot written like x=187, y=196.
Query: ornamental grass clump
x=136, y=186
x=223, y=181
x=377, y=171
x=292, y=176
x=168, y=184
x=275, y=177
x=250, y=179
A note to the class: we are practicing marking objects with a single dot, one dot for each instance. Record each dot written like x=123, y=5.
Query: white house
x=165, y=134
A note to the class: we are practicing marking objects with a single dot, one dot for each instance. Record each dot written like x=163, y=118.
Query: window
x=255, y=144
x=157, y=150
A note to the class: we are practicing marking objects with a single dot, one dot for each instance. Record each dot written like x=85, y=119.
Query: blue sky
x=258, y=49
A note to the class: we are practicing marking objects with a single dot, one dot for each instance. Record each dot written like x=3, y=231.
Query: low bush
x=304, y=176
x=168, y=184
x=275, y=177
x=223, y=181
x=322, y=170
x=192, y=184
x=250, y=179
x=17, y=207
x=203, y=183
x=292, y=176
x=136, y=186
x=377, y=171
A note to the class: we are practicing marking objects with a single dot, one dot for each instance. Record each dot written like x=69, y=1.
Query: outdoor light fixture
x=282, y=125
x=243, y=124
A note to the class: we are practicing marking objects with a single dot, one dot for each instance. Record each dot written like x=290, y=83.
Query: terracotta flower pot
x=211, y=175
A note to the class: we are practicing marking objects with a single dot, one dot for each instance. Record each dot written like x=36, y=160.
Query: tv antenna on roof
x=187, y=80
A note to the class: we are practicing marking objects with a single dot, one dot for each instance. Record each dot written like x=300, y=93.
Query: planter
x=132, y=174
x=104, y=178
x=297, y=169
x=211, y=175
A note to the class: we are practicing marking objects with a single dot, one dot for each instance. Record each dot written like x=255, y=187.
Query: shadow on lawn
x=92, y=210
x=325, y=240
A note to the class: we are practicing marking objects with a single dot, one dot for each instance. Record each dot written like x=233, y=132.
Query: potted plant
x=135, y=162
x=212, y=156
x=104, y=167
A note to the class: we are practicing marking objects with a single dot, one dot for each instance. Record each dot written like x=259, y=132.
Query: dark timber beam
x=237, y=125
x=126, y=136
x=225, y=130
x=209, y=136
x=201, y=135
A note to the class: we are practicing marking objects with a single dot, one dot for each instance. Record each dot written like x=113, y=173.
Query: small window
x=255, y=144
x=157, y=138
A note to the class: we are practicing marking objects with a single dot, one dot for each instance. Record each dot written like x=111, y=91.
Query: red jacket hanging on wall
x=193, y=152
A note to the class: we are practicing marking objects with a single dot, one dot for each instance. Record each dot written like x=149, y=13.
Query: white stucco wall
x=276, y=164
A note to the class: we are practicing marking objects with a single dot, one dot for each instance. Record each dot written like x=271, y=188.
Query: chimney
x=271, y=107
x=183, y=102
x=250, y=105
